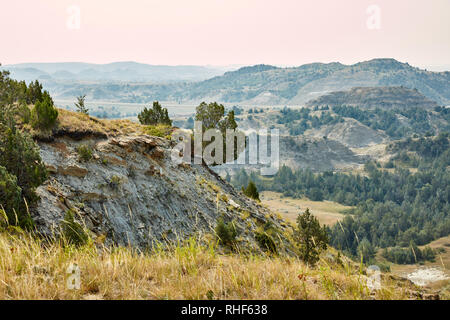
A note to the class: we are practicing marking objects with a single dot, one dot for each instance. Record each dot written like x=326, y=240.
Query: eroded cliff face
x=131, y=193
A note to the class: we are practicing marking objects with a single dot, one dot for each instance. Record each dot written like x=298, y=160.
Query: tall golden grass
x=31, y=268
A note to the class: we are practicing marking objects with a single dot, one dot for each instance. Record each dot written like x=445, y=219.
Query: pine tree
x=79, y=105
x=311, y=237
x=44, y=114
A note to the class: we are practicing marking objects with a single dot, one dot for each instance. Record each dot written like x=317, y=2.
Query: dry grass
x=75, y=123
x=31, y=270
x=328, y=212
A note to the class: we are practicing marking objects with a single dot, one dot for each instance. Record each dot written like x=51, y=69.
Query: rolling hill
x=116, y=71
x=270, y=85
x=255, y=85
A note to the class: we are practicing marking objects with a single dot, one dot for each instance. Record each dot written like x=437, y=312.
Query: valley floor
x=328, y=212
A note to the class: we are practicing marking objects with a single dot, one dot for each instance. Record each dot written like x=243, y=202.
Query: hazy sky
x=222, y=32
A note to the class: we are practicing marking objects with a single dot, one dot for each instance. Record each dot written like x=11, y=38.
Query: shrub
x=44, y=114
x=265, y=237
x=162, y=131
x=115, y=181
x=24, y=113
x=251, y=191
x=226, y=232
x=84, y=153
x=156, y=115
x=73, y=231
x=19, y=154
x=10, y=196
x=266, y=241
x=384, y=266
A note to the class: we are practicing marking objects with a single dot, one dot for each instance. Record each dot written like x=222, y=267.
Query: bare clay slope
x=132, y=193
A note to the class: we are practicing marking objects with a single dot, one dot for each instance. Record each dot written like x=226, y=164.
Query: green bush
x=73, y=231
x=115, y=181
x=266, y=241
x=19, y=154
x=226, y=233
x=156, y=115
x=44, y=114
x=10, y=196
x=384, y=266
x=162, y=131
x=24, y=113
x=251, y=191
x=84, y=152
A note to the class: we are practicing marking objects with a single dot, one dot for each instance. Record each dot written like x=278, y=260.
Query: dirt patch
x=74, y=171
x=61, y=147
x=425, y=276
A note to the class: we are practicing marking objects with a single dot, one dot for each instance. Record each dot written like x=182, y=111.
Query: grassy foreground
x=30, y=269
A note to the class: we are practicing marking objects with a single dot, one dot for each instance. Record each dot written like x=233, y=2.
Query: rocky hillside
x=126, y=188
x=373, y=97
x=351, y=133
x=318, y=154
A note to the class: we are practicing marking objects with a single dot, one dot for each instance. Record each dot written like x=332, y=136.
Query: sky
x=225, y=32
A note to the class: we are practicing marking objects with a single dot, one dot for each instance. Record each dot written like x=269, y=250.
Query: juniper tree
x=155, y=115
x=44, y=114
x=311, y=237
x=251, y=191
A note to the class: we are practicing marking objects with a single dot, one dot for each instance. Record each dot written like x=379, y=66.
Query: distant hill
x=117, y=71
x=271, y=85
x=253, y=85
x=371, y=97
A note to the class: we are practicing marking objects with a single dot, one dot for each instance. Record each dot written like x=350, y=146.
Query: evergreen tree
x=213, y=116
x=79, y=105
x=154, y=116
x=311, y=237
x=366, y=251
x=10, y=197
x=19, y=154
x=44, y=114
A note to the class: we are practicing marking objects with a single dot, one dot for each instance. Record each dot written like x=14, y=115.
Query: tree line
x=390, y=207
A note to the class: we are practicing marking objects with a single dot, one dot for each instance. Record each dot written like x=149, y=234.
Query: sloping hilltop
x=126, y=188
